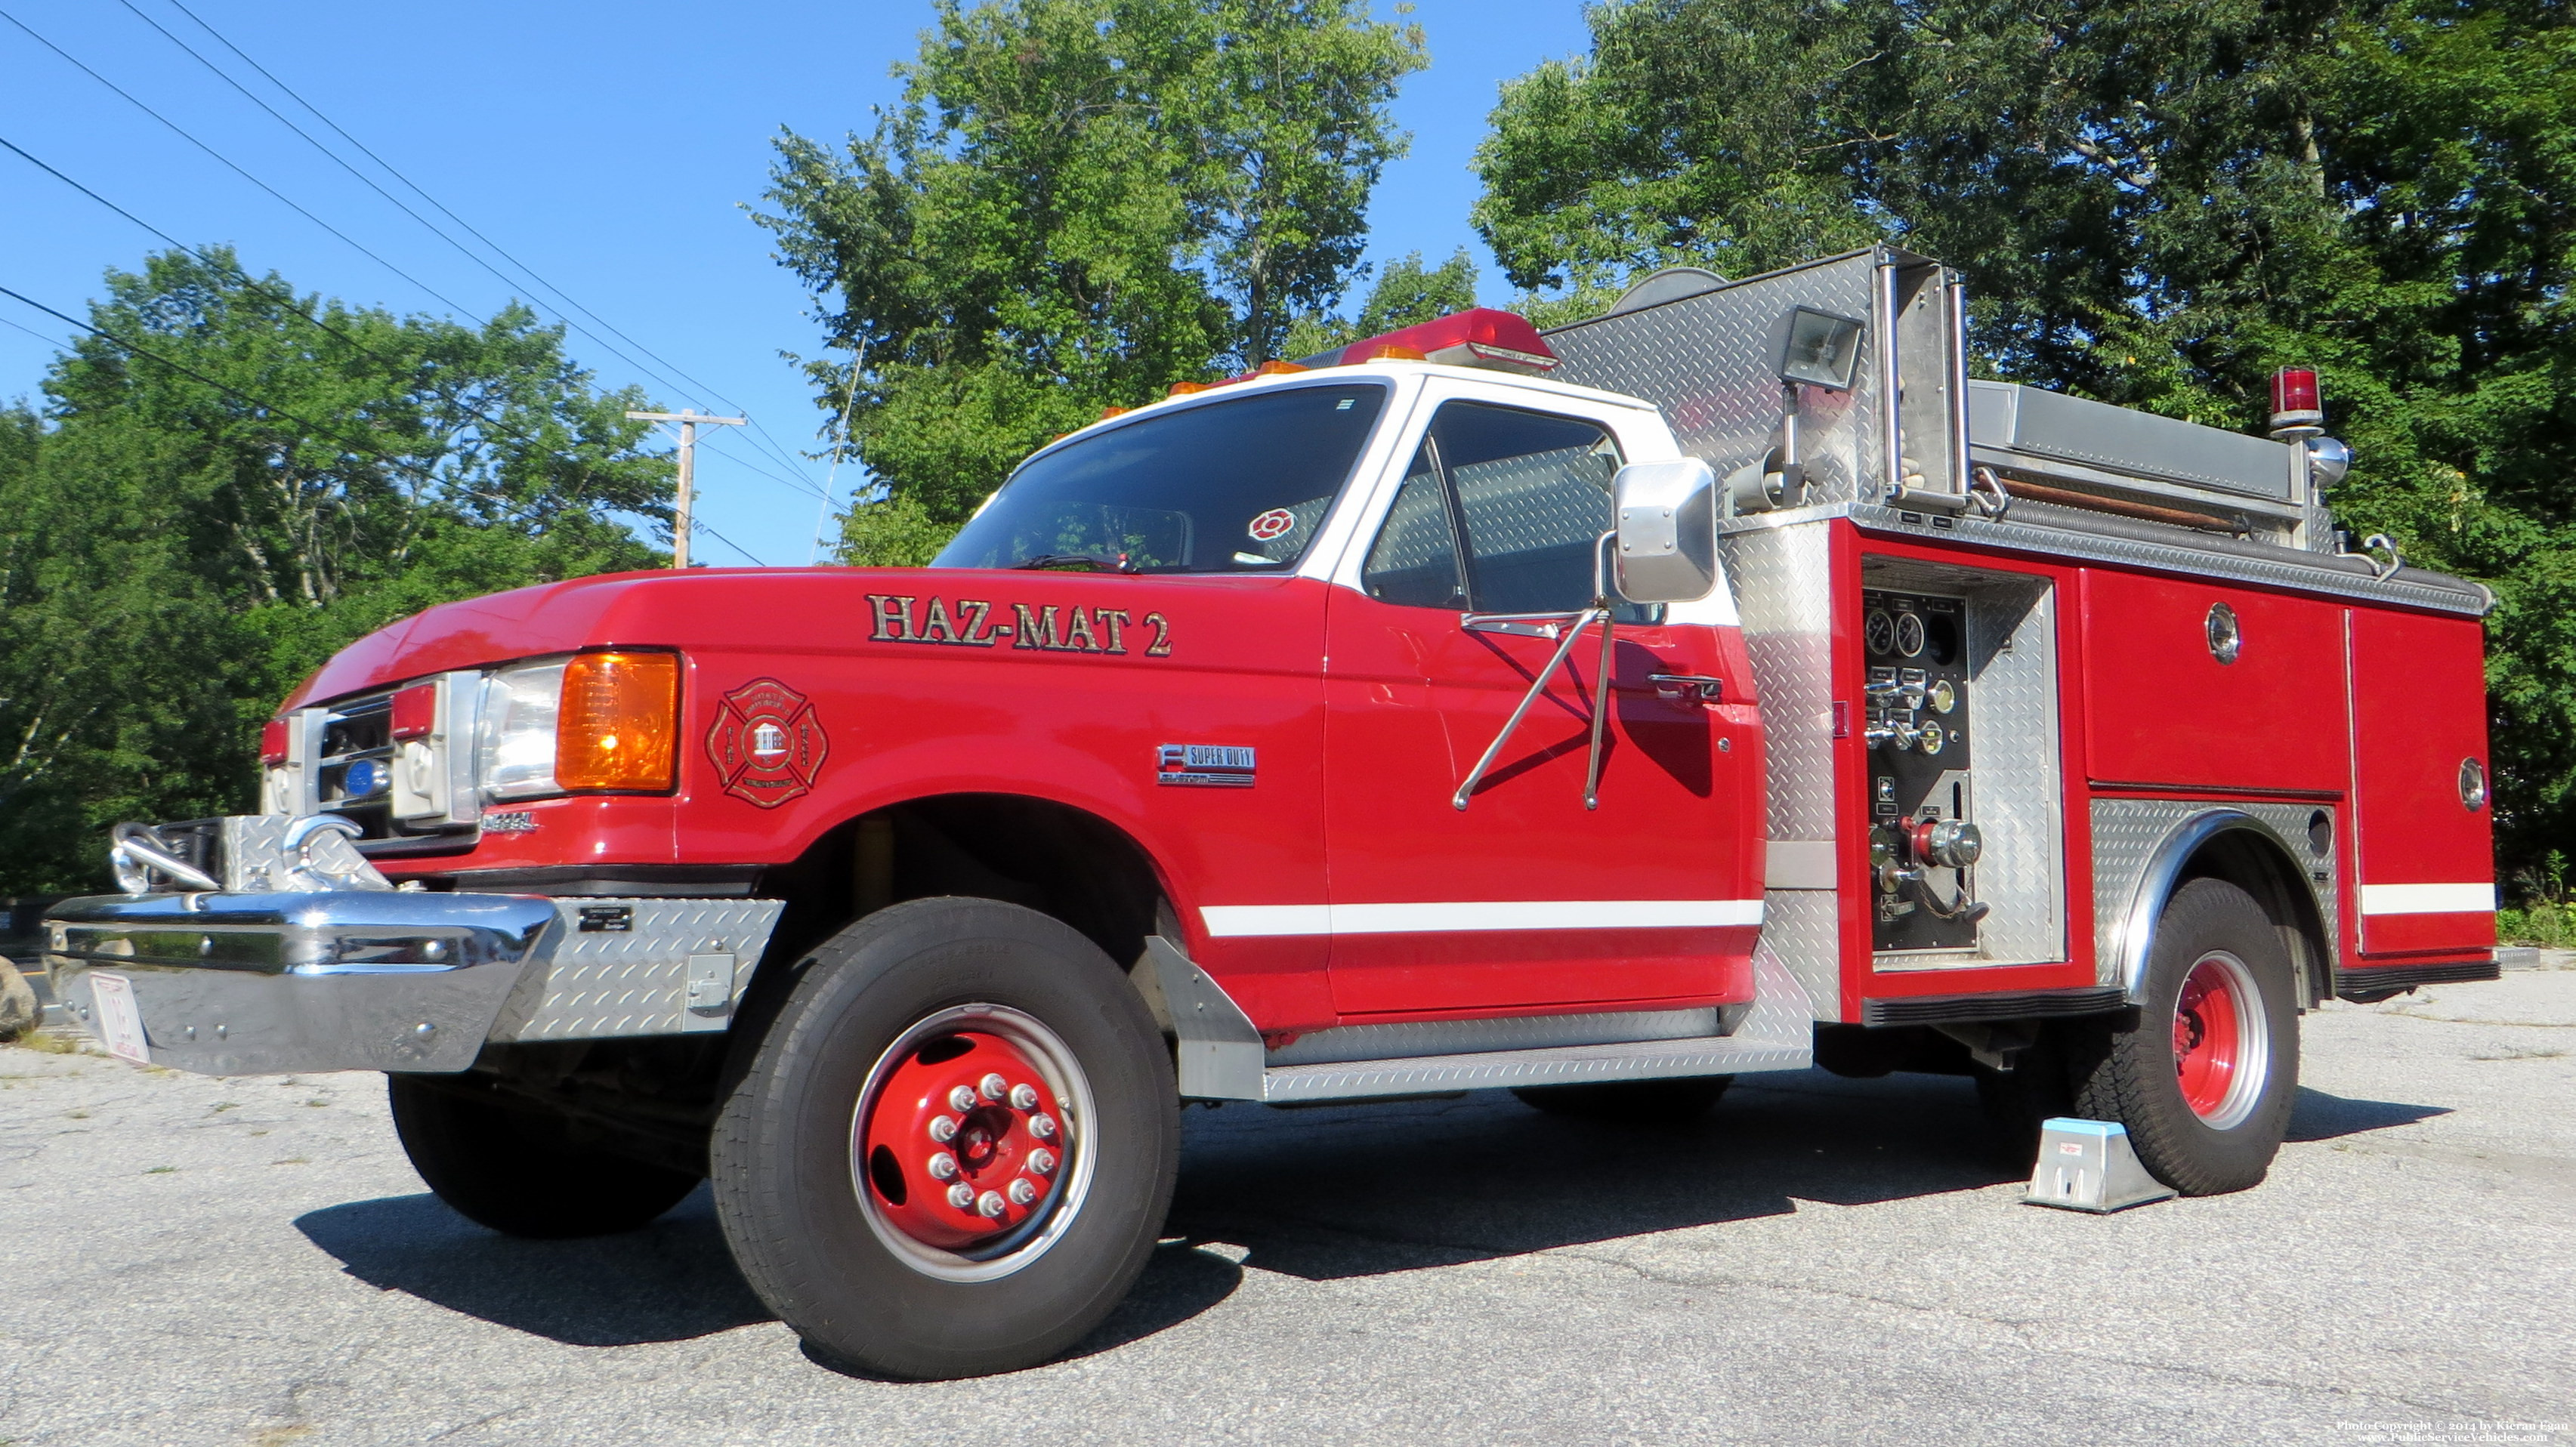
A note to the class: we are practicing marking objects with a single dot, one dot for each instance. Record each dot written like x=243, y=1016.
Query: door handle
x=1688, y=687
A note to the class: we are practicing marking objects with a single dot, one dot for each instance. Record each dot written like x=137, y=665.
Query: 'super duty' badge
x=1209, y=766
x=767, y=744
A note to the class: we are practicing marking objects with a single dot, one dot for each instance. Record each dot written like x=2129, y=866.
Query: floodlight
x=1823, y=350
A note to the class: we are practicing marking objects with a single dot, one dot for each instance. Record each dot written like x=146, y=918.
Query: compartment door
x=2424, y=855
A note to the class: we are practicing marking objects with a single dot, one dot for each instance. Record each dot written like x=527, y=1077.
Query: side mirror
x=1666, y=515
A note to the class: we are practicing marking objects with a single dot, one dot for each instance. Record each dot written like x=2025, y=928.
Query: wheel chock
x=2089, y=1165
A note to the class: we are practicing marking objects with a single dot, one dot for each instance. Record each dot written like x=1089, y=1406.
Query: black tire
x=521, y=1172
x=827, y=1261
x=1644, y=1102
x=2132, y=1076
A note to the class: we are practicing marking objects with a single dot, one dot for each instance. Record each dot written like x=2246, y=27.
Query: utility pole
x=688, y=468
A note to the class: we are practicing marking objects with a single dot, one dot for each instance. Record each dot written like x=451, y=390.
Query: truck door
x=2423, y=851
x=1525, y=898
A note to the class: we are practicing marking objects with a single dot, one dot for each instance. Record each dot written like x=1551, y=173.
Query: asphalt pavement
x=252, y=1261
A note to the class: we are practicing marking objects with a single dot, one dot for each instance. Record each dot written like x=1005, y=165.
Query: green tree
x=230, y=483
x=1406, y=293
x=1078, y=203
x=2155, y=203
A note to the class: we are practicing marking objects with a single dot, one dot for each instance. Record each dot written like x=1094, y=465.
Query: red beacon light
x=272, y=742
x=2296, y=411
x=1477, y=337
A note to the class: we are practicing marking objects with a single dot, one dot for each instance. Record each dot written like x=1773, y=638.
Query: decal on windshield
x=1048, y=627
x=1276, y=523
x=767, y=743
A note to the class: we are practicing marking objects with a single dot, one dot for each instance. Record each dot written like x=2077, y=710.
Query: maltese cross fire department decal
x=767, y=744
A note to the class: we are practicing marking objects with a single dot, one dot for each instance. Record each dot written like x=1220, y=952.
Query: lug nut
x=943, y=1167
x=961, y=1196
x=991, y=1204
x=1041, y=1161
x=1024, y=1097
x=943, y=1129
x=1022, y=1192
x=1042, y=1126
x=962, y=1099
x=994, y=1087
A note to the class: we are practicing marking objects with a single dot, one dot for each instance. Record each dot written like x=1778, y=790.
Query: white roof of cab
x=1358, y=372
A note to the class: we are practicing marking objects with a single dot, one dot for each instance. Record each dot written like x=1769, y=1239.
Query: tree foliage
x=1405, y=293
x=1078, y=203
x=2156, y=203
x=185, y=534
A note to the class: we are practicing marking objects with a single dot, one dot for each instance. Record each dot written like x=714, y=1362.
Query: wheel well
x=1050, y=857
x=2258, y=865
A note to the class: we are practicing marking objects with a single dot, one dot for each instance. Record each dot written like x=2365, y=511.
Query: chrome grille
x=355, y=770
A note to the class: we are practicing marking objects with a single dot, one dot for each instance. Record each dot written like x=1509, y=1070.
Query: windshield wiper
x=1100, y=562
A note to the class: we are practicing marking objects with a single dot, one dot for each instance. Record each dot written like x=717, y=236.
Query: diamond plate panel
x=607, y=984
x=1783, y=579
x=2095, y=538
x=1711, y=363
x=1352, y=1043
x=1803, y=930
x=1777, y=1035
x=2128, y=832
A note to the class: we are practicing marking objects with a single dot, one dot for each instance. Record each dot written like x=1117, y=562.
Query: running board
x=1221, y=1055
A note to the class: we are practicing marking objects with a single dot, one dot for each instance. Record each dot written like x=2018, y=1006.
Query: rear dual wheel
x=2205, y=1082
x=952, y=1151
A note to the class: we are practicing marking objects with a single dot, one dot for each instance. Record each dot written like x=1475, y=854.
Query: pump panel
x=1915, y=650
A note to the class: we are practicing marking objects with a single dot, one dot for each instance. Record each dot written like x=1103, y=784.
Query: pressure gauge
x=1879, y=631
x=1909, y=634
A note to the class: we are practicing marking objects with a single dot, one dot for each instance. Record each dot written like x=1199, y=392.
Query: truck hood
x=775, y=610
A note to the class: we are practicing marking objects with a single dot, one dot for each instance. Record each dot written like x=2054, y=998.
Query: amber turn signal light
x=620, y=722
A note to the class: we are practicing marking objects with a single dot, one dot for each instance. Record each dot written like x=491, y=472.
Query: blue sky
x=610, y=148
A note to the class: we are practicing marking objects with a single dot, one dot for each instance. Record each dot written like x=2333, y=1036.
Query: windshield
x=1229, y=487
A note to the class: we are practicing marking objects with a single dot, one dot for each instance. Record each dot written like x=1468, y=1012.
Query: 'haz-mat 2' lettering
x=1048, y=627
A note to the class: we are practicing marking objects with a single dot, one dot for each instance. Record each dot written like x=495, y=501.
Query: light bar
x=1477, y=337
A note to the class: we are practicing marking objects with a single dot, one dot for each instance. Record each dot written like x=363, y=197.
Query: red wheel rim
x=2213, y=1032
x=964, y=1141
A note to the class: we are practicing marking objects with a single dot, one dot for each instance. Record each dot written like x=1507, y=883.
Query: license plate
x=120, y=1020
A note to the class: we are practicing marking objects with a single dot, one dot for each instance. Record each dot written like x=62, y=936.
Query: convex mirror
x=1666, y=521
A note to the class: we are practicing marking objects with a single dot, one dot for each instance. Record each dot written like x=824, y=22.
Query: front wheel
x=2205, y=1081
x=952, y=1151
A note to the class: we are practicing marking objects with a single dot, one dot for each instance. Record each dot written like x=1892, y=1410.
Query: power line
x=55, y=342
x=776, y=448
x=228, y=162
x=730, y=543
x=294, y=306
x=415, y=469
x=335, y=159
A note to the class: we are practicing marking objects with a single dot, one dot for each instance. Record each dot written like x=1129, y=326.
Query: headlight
x=520, y=706
x=607, y=721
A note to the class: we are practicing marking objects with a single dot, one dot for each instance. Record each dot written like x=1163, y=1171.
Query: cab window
x=1499, y=513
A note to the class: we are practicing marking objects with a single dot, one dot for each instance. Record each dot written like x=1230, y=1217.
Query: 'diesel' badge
x=767, y=744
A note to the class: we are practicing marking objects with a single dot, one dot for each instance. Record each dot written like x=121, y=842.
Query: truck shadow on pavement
x=1321, y=1193
x=1361, y=1190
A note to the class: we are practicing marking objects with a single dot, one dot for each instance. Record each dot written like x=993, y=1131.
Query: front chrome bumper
x=241, y=983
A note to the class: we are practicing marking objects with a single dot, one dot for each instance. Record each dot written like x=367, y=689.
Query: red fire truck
x=1724, y=684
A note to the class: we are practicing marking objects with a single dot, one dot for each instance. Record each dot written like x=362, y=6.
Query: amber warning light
x=620, y=724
